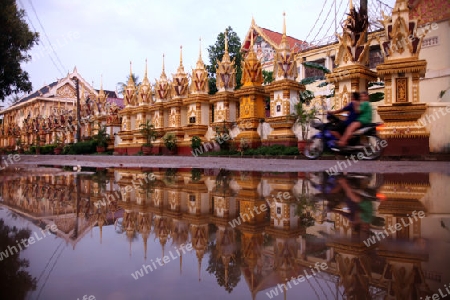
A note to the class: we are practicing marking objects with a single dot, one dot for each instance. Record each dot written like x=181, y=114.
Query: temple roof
x=271, y=37
x=117, y=101
x=429, y=11
x=50, y=91
x=42, y=91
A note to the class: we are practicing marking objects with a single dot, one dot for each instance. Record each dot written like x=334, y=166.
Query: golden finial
x=351, y=4
x=181, y=55
x=284, y=43
x=130, y=69
x=101, y=82
x=163, y=63
x=251, y=40
x=145, y=68
x=226, y=40
x=200, y=52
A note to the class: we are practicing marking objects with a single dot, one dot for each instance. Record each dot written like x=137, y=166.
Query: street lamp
x=77, y=86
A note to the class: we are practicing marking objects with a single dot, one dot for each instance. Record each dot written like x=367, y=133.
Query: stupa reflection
x=311, y=218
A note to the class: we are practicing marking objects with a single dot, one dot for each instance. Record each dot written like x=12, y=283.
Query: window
x=333, y=62
x=375, y=57
x=191, y=198
x=311, y=72
x=192, y=120
x=430, y=42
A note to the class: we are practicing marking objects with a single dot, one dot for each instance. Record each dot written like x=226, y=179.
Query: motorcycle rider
x=364, y=111
x=351, y=108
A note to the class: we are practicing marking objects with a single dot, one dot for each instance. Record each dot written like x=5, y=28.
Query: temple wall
x=205, y=114
x=435, y=52
x=436, y=199
x=437, y=121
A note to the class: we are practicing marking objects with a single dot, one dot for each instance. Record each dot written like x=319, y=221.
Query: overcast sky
x=101, y=37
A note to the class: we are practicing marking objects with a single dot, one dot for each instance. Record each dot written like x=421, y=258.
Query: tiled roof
x=429, y=11
x=111, y=94
x=273, y=38
x=276, y=38
x=117, y=101
x=43, y=90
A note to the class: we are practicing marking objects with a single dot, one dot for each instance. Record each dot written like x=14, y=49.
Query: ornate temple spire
x=252, y=70
x=283, y=38
x=353, y=48
x=162, y=86
x=200, y=50
x=130, y=78
x=145, y=88
x=181, y=67
x=163, y=67
x=225, y=72
x=199, y=81
x=285, y=66
x=180, y=81
x=226, y=41
x=402, y=39
x=130, y=90
x=145, y=81
x=101, y=93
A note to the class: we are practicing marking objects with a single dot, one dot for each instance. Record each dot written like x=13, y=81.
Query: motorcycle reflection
x=350, y=195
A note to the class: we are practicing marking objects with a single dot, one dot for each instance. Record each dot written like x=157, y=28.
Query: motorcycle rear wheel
x=373, y=147
x=313, y=148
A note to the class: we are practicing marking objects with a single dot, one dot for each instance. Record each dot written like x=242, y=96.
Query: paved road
x=243, y=164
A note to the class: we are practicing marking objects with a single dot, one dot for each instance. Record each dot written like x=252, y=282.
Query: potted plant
x=303, y=117
x=170, y=141
x=19, y=145
x=196, y=143
x=58, y=145
x=148, y=131
x=101, y=138
x=38, y=143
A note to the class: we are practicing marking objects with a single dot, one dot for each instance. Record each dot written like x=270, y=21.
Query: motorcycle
x=364, y=142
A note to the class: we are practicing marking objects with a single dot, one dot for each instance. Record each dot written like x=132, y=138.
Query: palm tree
x=121, y=86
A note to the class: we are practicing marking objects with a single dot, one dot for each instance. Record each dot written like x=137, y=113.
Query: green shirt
x=365, y=115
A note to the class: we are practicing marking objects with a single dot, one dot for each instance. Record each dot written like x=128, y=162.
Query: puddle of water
x=191, y=233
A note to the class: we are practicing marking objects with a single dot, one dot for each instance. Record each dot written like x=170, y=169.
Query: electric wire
x=49, y=262
x=35, y=30
x=320, y=14
x=331, y=23
x=48, y=275
x=45, y=33
x=324, y=21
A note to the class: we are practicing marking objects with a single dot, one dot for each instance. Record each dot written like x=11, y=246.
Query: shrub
x=87, y=147
x=196, y=142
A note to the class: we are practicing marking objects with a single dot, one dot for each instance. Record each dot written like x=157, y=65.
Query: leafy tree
x=15, y=281
x=216, y=52
x=216, y=266
x=121, y=86
x=15, y=40
x=267, y=76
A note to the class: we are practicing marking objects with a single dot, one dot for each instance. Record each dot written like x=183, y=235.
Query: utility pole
x=77, y=84
x=363, y=7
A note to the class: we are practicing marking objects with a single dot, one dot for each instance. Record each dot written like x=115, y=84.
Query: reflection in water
x=15, y=281
x=360, y=225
